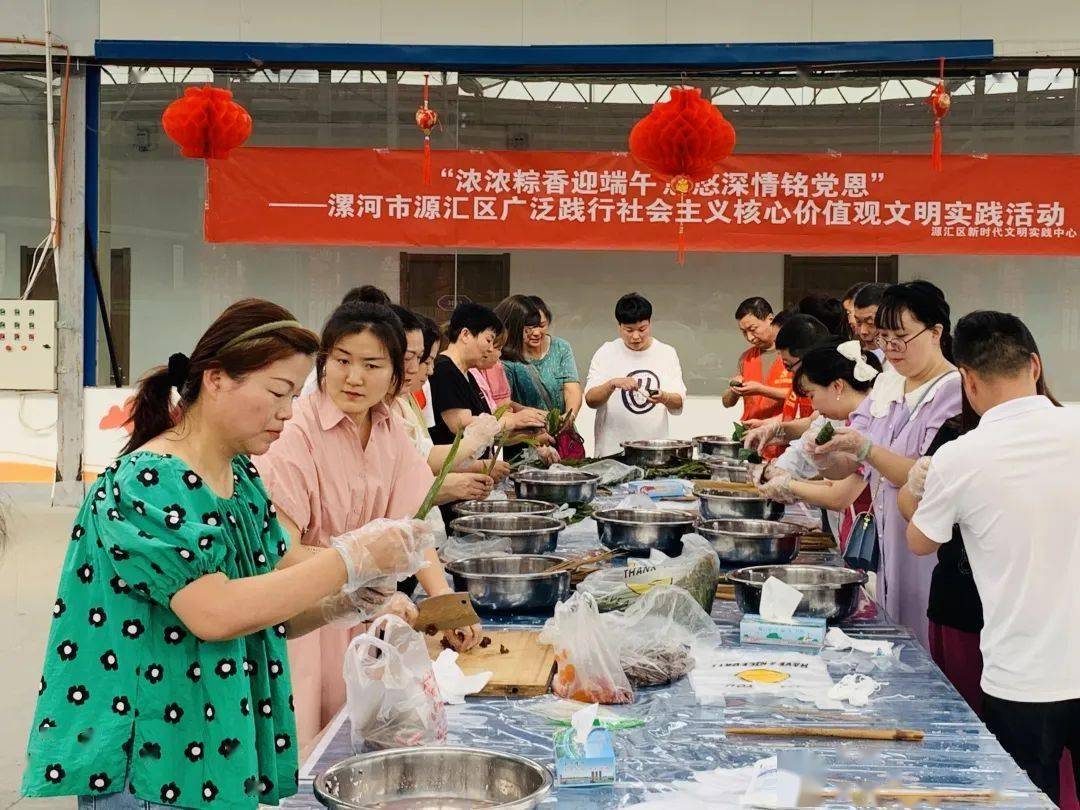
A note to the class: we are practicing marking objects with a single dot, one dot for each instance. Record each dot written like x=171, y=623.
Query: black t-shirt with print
x=954, y=599
x=452, y=390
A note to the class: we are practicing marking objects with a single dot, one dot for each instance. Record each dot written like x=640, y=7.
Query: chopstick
x=587, y=559
x=849, y=733
x=860, y=795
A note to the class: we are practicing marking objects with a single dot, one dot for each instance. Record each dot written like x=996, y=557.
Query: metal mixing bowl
x=505, y=506
x=556, y=486
x=829, y=592
x=717, y=504
x=657, y=452
x=528, y=534
x=438, y=776
x=750, y=542
x=511, y=583
x=718, y=446
x=639, y=530
x=737, y=472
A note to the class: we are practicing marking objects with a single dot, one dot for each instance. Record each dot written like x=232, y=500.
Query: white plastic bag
x=588, y=658
x=392, y=698
x=696, y=570
x=473, y=545
x=660, y=635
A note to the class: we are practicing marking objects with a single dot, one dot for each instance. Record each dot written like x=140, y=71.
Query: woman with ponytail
x=166, y=677
x=892, y=429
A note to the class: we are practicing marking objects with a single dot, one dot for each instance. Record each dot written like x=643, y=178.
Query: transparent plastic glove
x=768, y=433
x=401, y=606
x=916, y=479
x=383, y=548
x=548, y=455
x=844, y=440
x=479, y=435
x=778, y=488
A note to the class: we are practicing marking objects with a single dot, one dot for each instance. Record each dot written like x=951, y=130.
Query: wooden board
x=525, y=671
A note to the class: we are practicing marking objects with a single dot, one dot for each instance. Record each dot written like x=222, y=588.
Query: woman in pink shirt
x=341, y=462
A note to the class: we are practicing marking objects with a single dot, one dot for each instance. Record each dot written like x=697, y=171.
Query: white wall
x=1051, y=28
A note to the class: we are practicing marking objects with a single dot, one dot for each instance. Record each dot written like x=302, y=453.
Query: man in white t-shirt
x=1011, y=486
x=634, y=381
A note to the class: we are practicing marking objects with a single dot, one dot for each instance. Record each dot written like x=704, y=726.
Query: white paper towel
x=582, y=722
x=454, y=684
x=778, y=601
x=837, y=639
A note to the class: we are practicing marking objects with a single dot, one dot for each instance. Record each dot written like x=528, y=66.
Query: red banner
x=1019, y=204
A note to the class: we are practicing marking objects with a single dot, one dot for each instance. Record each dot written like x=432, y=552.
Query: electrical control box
x=27, y=345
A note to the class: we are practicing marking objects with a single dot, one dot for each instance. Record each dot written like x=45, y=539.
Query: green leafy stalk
x=502, y=440
x=502, y=411
x=739, y=432
x=440, y=479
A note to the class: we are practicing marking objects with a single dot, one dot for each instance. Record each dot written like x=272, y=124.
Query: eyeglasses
x=898, y=345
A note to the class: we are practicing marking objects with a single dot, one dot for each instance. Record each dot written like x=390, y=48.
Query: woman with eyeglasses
x=893, y=428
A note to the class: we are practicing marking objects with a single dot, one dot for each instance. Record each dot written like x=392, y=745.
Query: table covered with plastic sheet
x=678, y=735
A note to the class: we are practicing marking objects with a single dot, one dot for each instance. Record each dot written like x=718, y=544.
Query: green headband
x=262, y=329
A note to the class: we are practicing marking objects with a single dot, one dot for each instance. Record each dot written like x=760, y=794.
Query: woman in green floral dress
x=166, y=680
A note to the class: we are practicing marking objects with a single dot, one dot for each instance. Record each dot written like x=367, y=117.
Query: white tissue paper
x=855, y=689
x=454, y=684
x=778, y=601
x=837, y=639
x=564, y=512
x=582, y=722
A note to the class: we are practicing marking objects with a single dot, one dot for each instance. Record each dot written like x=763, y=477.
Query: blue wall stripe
x=478, y=57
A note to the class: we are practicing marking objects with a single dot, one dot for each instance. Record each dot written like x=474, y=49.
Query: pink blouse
x=319, y=475
x=493, y=384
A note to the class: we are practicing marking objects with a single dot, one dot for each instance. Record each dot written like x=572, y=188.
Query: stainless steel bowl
x=511, y=583
x=528, y=534
x=717, y=446
x=829, y=592
x=737, y=472
x=717, y=504
x=436, y=776
x=639, y=530
x=505, y=506
x=556, y=486
x=750, y=542
x=657, y=452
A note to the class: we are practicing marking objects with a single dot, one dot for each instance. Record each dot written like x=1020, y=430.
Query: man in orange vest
x=762, y=383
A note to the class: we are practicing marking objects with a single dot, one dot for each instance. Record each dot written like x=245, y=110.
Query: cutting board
x=525, y=671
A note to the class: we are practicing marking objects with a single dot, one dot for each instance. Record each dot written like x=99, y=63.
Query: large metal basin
x=433, y=778
x=828, y=591
x=528, y=534
x=514, y=583
x=717, y=446
x=637, y=531
x=716, y=503
x=740, y=542
x=505, y=506
x=657, y=452
x=556, y=486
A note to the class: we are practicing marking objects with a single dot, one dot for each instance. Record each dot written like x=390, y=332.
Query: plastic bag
x=391, y=695
x=660, y=636
x=696, y=570
x=473, y=545
x=588, y=658
x=610, y=471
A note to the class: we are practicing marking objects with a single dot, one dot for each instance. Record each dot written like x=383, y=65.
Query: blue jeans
x=119, y=800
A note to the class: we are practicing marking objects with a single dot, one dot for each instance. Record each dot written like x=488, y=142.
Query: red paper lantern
x=940, y=103
x=205, y=122
x=426, y=119
x=682, y=140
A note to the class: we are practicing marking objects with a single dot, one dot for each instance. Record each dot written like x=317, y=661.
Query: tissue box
x=660, y=488
x=583, y=766
x=804, y=631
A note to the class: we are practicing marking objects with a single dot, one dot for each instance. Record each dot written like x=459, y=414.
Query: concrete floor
x=29, y=568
